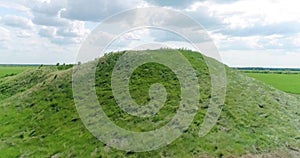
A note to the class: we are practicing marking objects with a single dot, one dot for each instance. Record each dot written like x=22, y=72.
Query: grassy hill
x=38, y=117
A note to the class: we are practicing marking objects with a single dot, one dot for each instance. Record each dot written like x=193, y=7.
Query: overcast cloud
x=51, y=31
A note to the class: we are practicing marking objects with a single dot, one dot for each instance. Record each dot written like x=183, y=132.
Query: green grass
x=12, y=70
x=286, y=82
x=38, y=117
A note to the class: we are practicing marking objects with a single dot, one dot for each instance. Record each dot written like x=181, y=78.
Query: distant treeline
x=269, y=70
x=65, y=66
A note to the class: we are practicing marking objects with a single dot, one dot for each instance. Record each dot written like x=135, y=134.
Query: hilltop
x=38, y=116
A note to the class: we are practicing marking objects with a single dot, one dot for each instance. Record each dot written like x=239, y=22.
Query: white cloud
x=73, y=34
x=48, y=32
x=23, y=34
x=4, y=34
x=5, y=38
x=247, y=13
x=262, y=58
x=97, y=10
x=47, y=15
x=18, y=6
x=297, y=40
x=237, y=26
x=50, y=7
x=17, y=21
x=76, y=29
x=43, y=19
x=258, y=42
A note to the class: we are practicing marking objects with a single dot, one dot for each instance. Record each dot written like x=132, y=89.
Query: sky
x=247, y=33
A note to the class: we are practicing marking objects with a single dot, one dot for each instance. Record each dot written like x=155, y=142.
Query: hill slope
x=38, y=117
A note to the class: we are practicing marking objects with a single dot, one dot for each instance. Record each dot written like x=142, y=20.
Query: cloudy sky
x=260, y=33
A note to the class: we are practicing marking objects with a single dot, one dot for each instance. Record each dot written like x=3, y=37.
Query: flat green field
x=286, y=82
x=12, y=70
